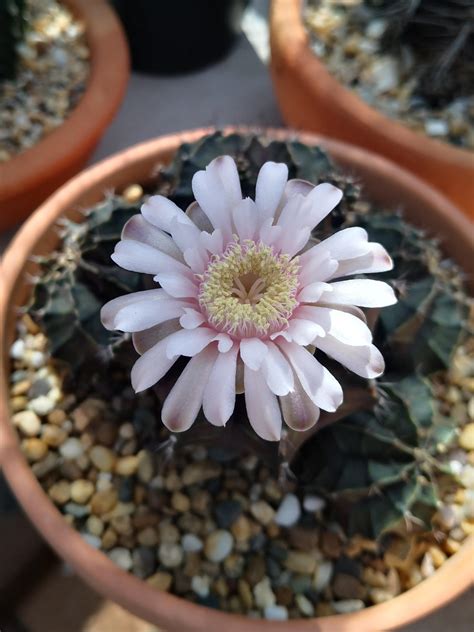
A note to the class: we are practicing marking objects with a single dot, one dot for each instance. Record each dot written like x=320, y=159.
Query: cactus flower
x=247, y=296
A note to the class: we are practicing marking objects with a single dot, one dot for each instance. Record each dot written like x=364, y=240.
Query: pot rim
x=170, y=611
x=105, y=88
x=290, y=37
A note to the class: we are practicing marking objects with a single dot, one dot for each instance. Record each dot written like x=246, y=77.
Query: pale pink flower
x=243, y=295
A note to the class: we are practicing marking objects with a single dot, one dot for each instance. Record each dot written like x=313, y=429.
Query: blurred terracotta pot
x=386, y=184
x=312, y=99
x=29, y=177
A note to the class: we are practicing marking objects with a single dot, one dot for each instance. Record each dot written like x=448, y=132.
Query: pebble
x=436, y=127
x=145, y=467
x=200, y=584
x=78, y=511
x=180, y=502
x=262, y=511
x=60, y=492
x=263, y=594
x=276, y=613
x=57, y=417
x=347, y=605
x=54, y=436
x=126, y=466
x=227, y=512
x=41, y=405
x=288, y=512
x=34, y=449
x=312, y=503
x=104, y=501
x=466, y=438
x=191, y=543
x=299, y=562
x=17, y=350
x=95, y=526
x=81, y=491
x=218, y=545
x=71, y=449
x=93, y=540
x=133, y=193
x=147, y=537
x=241, y=529
x=170, y=555
x=102, y=458
x=161, y=581
x=143, y=561
x=169, y=534
x=348, y=587
x=28, y=422
x=122, y=557
x=304, y=605
x=323, y=575
x=89, y=410
x=427, y=566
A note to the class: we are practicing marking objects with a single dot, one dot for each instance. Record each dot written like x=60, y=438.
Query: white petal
x=268, y=233
x=376, y=260
x=345, y=244
x=313, y=292
x=182, y=405
x=343, y=326
x=296, y=186
x=349, y=309
x=151, y=366
x=303, y=331
x=111, y=309
x=146, y=314
x=245, y=218
x=298, y=410
x=144, y=340
x=293, y=241
x=366, y=361
x=184, y=235
x=362, y=292
x=191, y=318
x=197, y=259
x=139, y=257
x=177, y=285
x=226, y=170
x=319, y=267
x=189, y=342
x=212, y=242
x=320, y=202
x=252, y=352
x=277, y=371
x=219, y=394
x=262, y=406
x=138, y=229
x=270, y=185
x=160, y=211
x=224, y=342
x=198, y=217
x=321, y=386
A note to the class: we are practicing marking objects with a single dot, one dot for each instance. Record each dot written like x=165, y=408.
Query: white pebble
x=455, y=467
x=93, y=540
x=41, y=405
x=34, y=359
x=288, y=512
x=323, y=575
x=200, y=584
x=436, y=127
x=348, y=605
x=467, y=476
x=376, y=28
x=312, y=503
x=28, y=422
x=304, y=605
x=170, y=555
x=276, y=613
x=384, y=74
x=263, y=593
x=191, y=543
x=122, y=557
x=218, y=546
x=17, y=349
x=427, y=566
x=72, y=448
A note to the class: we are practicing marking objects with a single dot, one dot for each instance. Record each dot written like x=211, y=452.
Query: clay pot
x=29, y=177
x=386, y=184
x=312, y=99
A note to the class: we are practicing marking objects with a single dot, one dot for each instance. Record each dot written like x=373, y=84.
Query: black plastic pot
x=175, y=36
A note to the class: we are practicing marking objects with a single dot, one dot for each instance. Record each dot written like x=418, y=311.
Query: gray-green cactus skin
x=12, y=27
x=376, y=464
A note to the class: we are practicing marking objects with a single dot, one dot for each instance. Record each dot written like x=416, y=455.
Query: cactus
x=12, y=26
x=377, y=464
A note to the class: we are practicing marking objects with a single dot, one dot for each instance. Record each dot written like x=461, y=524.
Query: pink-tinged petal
x=361, y=292
x=268, y=233
x=376, y=260
x=144, y=340
x=313, y=292
x=110, y=310
x=226, y=170
x=366, y=361
x=349, y=309
x=320, y=202
x=302, y=331
x=177, y=285
x=320, y=267
x=296, y=186
x=245, y=218
x=269, y=189
x=293, y=241
x=277, y=371
x=212, y=242
x=160, y=211
x=224, y=342
x=219, y=394
x=262, y=406
x=151, y=366
x=252, y=352
x=138, y=229
x=291, y=215
x=347, y=243
x=198, y=217
x=298, y=410
x=184, y=235
x=319, y=384
x=345, y=327
x=139, y=257
x=191, y=318
x=140, y=316
x=189, y=342
x=197, y=259
x=184, y=401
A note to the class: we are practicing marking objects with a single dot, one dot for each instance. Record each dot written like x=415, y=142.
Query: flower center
x=248, y=290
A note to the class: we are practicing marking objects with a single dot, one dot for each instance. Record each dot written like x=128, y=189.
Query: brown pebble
x=52, y=435
x=284, y=595
x=303, y=539
x=245, y=594
x=180, y=502
x=192, y=564
x=57, y=417
x=161, y=581
x=104, y=501
x=106, y=433
x=331, y=545
x=90, y=410
x=81, y=491
x=299, y=562
x=122, y=525
x=348, y=587
x=256, y=569
x=60, y=492
x=34, y=449
x=147, y=537
x=102, y=458
x=109, y=539
x=241, y=529
x=126, y=466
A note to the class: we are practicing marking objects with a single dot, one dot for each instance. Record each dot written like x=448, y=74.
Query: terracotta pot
x=28, y=178
x=386, y=184
x=312, y=99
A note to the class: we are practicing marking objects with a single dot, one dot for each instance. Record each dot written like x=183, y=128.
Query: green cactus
x=12, y=28
x=376, y=464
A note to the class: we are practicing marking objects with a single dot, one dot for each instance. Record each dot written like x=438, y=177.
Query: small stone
x=81, y=491
x=200, y=584
x=466, y=438
x=323, y=575
x=304, y=605
x=160, y=581
x=191, y=543
x=447, y=517
x=147, y=537
x=263, y=594
x=427, y=566
x=104, y=501
x=384, y=74
x=41, y=405
x=122, y=525
x=60, y=492
x=331, y=545
x=92, y=540
x=170, y=555
x=20, y=388
x=45, y=466
x=126, y=466
x=451, y=546
x=200, y=501
x=284, y=595
x=28, y=422
x=275, y=613
x=256, y=569
x=109, y=539
x=180, y=502
x=77, y=511
x=376, y=28
x=262, y=512
x=169, y=534
x=88, y=411
x=57, y=417
x=34, y=449
x=122, y=557
x=468, y=527
x=143, y=561
x=54, y=436
x=71, y=449
x=436, y=127
x=288, y=512
x=299, y=562
x=302, y=538
x=467, y=476
x=133, y=193
x=95, y=526
x=348, y=587
x=241, y=529
x=17, y=350
x=102, y=458
x=374, y=578
x=380, y=595
x=437, y=555
x=347, y=605
x=312, y=503
x=227, y=512
x=197, y=473
x=218, y=545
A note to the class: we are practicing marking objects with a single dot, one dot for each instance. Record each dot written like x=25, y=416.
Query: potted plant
x=267, y=519
x=312, y=97
x=54, y=137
